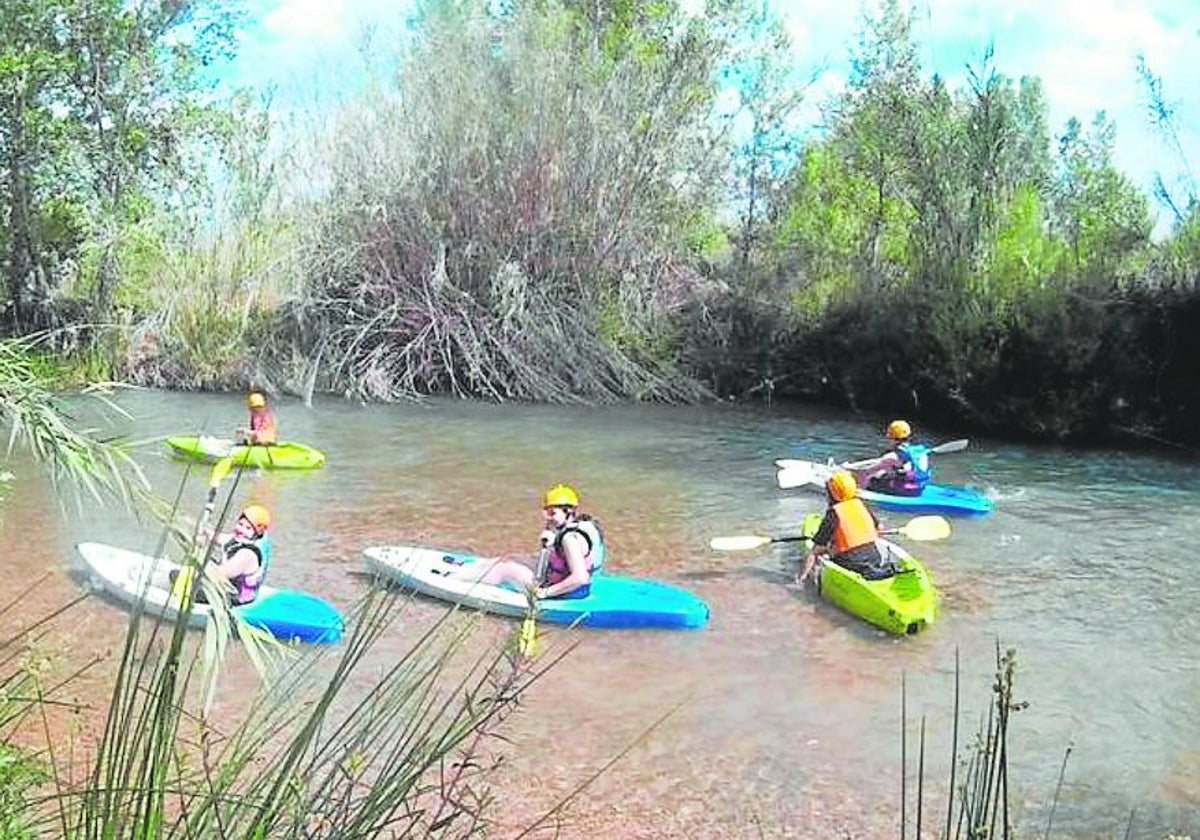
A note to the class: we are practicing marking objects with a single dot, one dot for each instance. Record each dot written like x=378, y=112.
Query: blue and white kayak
x=933, y=498
x=614, y=600
x=287, y=614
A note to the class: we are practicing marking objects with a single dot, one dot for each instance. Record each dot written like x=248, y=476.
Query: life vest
x=246, y=586
x=912, y=474
x=557, y=568
x=855, y=526
x=263, y=428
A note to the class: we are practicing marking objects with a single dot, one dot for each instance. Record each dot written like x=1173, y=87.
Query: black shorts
x=867, y=561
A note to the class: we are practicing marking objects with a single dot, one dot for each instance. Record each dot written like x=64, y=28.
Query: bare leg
x=497, y=572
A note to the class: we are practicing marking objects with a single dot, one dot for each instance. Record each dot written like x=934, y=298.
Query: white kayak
x=131, y=577
x=613, y=600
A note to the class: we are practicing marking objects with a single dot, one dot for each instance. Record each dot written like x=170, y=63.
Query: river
x=790, y=717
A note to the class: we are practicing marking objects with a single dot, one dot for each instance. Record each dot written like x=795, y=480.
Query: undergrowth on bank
x=334, y=743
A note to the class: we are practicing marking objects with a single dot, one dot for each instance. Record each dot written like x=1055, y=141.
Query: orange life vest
x=263, y=428
x=855, y=526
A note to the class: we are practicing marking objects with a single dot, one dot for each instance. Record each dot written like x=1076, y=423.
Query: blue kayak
x=287, y=614
x=613, y=601
x=292, y=615
x=933, y=498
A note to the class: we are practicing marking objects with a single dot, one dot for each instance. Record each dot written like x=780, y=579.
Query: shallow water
x=789, y=711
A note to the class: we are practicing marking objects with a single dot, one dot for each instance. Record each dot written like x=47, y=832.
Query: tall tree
x=873, y=121
x=98, y=101
x=1103, y=216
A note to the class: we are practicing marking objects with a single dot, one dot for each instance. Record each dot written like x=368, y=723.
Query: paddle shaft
x=539, y=570
x=920, y=528
x=527, y=639
x=219, y=471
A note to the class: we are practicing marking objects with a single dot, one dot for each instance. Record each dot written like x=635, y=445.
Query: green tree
x=873, y=121
x=757, y=68
x=1104, y=218
x=99, y=100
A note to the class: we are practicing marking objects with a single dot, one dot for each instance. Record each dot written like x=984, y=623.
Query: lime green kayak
x=283, y=455
x=903, y=604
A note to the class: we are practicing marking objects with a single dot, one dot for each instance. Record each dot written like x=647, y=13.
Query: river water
x=789, y=711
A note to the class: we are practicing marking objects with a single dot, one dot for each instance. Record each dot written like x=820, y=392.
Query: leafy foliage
x=99, y=101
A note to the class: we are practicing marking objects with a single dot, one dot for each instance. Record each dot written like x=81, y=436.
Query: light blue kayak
x=614, y=600
x=287, y=614
x=933, y=498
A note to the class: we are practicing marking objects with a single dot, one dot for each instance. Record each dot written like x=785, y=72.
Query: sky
x=1085, y=52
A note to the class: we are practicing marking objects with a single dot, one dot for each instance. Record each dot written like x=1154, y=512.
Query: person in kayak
x=573, y=550
x=847, y=535
x=263, y=428
x=902, y=471
x=243, y=558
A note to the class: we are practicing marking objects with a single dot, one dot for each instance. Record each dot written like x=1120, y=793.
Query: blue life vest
x=915, y=458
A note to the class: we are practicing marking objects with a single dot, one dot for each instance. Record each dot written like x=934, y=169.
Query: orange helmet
x=256, y=400
x=258, y=516
x=560, y=495
x=842, y=486
x=899, y=430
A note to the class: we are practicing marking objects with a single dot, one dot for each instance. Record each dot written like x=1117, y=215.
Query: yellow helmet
x=560, y=495
x=258, y=516
x=899, y=430
x=842, y=486
x=256, y=400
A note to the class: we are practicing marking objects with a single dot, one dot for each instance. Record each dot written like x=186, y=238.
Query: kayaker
x=245, y=555
x=573, y=550
x=263, y=428
x=848, y=533
x=902, y=471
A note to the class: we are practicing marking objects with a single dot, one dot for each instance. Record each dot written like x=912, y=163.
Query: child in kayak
x=572, y=551
x=847, y=535
x=244, y=555
x=902, y=471
x=263, y=428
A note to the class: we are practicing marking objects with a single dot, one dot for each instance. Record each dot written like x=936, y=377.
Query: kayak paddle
x=527, y=641
x=941, y=449
x=797, y=476
x=795, y=473
x=951, y=446
x=181, y=586
x=919, y=528
x=922, y=528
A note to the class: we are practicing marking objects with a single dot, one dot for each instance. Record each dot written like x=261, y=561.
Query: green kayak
x=283, y=455
x=904, y=604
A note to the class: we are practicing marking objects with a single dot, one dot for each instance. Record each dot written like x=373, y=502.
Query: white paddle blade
x=792, y=463
x=789, y=477
x=951, y=446
x=215, y=447
x=742, y=543
x=925, y=528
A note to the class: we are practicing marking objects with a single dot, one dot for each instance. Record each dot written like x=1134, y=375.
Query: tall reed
x=321, y=750
x=978, y=805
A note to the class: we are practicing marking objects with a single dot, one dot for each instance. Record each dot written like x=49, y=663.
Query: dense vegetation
x=555, y=200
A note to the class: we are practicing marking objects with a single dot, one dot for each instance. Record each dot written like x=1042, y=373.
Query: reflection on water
x=788, y=711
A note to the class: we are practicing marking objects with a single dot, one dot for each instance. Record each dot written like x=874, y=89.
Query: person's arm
x=262, y=429
x=574, y=549
x=882, y=465
x=820, y=547
x=243, y=562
